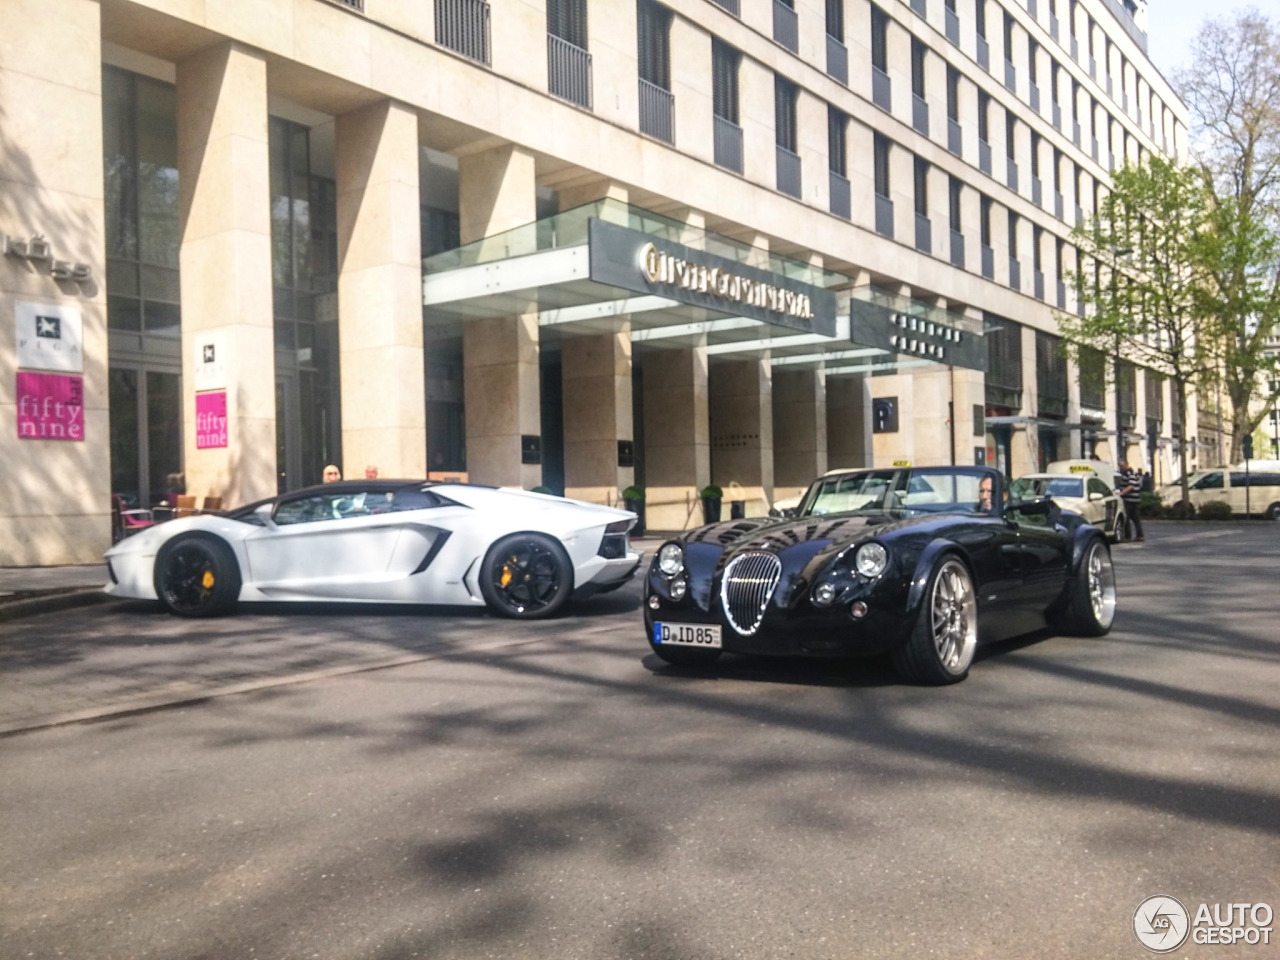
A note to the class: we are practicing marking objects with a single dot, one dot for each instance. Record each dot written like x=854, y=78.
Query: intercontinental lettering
x=659, y=267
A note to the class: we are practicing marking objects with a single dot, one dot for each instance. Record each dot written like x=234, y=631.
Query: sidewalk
x=28, y=591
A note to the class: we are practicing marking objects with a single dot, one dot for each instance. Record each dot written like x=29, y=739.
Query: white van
x=1228, y=485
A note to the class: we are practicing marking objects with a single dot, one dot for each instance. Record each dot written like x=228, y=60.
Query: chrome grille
x=749, y=582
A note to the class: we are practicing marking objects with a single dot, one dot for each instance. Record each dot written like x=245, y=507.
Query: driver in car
x=984, y=496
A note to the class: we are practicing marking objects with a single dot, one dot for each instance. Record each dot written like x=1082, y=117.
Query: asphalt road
x=553, y=791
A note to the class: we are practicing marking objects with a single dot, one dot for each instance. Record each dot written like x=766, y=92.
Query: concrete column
x=597, y=414
x=800, y=429
x=741, y=409
x=891, y=447
x=55, y=495
x=691, y=86
x=380, y=292
x=519, y=41
x=677, y=445
x=755, y=88
x=862, y=183
x=849, y=421
x=611, y=38
x=496, y=192
x=1025, y=452
x=811, y=123
x=226, y=266
x=898, y=50
x=902, y=191
x=1073, y=450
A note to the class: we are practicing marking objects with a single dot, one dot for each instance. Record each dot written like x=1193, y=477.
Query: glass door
x=288, y=432
x=146, y=434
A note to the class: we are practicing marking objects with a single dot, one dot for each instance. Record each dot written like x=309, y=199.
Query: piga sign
x=50, y=406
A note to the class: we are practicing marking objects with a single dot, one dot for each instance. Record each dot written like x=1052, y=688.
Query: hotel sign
x=876, y=325
x=631, y=260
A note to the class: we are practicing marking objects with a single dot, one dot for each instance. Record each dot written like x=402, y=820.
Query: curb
x=35, y=606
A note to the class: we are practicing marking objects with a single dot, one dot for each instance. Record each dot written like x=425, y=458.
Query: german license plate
x=687, y=634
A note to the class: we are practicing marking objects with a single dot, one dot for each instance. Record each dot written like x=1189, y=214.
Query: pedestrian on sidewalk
x=1129, y=483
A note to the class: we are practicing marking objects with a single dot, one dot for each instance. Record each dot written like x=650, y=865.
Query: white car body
x=1100, y=506
x=427, y=556
x=1228, y=484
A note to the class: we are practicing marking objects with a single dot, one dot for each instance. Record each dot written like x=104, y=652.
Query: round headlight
x=671, y=559
x=678, y=588
x=823, y=594
x=871, y=559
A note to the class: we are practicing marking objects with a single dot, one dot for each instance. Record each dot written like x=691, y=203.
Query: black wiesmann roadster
x=922, y=562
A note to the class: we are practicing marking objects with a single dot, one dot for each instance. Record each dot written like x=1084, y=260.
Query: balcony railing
x=1075, y=132
x=1037, y=192
x=837, y=60
x=731, y=6
x=1034, y=97
x=1093, y=68
x=786, y=28
x=984, y=54
x=881, y=89
x=921, y=7
x=1062, y=295
x=1057, y=117
x=1053, y=26
x=568, y=71
x=955, y=137
x=1109, y=94
x=353, y=4
x=1015, y=274
x=1011, y=173
x=1057, y=205
x=1075, y=49
x=657, y=112
x=1010, y=75
x=957, y=249
x=924, y=234
x=884, y=216
x=1093, y=150
x=463, y=27
x=953, y=27
x=1033, y=9
x=1079, y=215
x=984, y=157
x=1038, y=281
x=920, y=114
x=728, y=144
x=988, y=262
x=841, y=204
x=788, y=172
x=1125, y=19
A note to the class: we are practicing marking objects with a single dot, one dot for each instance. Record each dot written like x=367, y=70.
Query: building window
x=922, y=186
x=881, y=150
x=838, y=162
x=917, y=67
x=568, y=62
x=879, y=39
x=953, y=207
x=953, y=93
x=1093, y=379
x=724, y=106
x=835, y=20
x=463, y=26
x=784, y=132
x=657, y=105
x=1051, y=376
x=1004, y=362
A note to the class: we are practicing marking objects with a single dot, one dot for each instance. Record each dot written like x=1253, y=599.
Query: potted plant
x=633, y=497
x=711, y=497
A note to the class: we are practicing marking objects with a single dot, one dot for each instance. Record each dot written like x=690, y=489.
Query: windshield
x=1029, y=488
x=902, y=492
x=846, y=492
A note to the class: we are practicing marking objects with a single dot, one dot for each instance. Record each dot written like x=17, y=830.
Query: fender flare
x=925, y=563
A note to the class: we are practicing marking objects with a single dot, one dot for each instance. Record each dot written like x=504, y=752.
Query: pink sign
x=50, y=406
x=211, y=419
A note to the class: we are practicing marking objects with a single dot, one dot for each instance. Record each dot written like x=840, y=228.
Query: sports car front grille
x=749, y=582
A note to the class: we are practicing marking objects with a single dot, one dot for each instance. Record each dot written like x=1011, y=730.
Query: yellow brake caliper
x=207, y=580
x=507, y=575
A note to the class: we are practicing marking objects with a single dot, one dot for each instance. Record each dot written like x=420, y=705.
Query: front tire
x=1273, y=512
x=526, y=576
x=1093, y=598
x=940, y=648
x=197, y=576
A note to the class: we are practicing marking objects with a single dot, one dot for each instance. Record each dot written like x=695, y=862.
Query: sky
x=1171, y=25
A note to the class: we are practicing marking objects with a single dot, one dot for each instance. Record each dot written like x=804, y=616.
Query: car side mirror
x=1095, y=495
x=1034, y=508
x=263, y=513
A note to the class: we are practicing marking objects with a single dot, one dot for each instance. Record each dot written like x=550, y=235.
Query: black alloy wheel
x=1273, y=512
x=197, y=576
x=526, y=576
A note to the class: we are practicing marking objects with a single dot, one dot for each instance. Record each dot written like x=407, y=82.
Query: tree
x=1139, y=281
x=1233, y=92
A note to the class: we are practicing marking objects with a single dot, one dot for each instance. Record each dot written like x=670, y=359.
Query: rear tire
x=526, y=576
x=940, y=648
x=197, y=576
x=1273, y=512
x=1093, y=597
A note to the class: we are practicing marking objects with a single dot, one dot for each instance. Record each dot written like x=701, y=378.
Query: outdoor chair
x=129, y=520
x=186, y=505
x=211, y=505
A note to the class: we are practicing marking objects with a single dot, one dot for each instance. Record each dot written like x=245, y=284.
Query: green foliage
x=1215, y=510
x=633, y=493
x=712, y=492
x=542, y=489
x=1150, y=505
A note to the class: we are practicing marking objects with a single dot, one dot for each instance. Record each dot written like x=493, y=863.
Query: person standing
x=1129, y=483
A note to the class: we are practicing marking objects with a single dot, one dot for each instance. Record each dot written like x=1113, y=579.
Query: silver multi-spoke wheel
x=1101, y=579
x=954, y=611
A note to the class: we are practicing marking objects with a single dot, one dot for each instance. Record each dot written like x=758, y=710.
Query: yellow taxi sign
x=1081, y=468
x=902, y=463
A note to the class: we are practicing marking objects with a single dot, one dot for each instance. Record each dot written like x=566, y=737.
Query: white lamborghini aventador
x=386, y=541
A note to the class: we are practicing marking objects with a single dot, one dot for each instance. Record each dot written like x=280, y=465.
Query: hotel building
x=583, y=244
